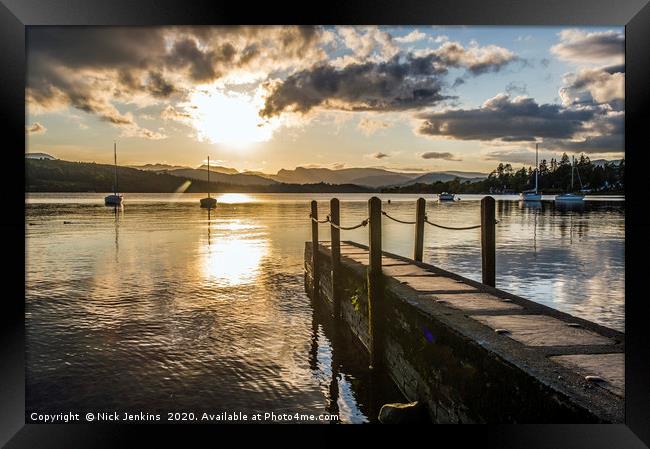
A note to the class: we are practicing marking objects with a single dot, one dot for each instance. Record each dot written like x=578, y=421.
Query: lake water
x=160, y=307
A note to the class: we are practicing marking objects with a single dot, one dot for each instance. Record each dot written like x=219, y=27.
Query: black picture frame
x=16, y=15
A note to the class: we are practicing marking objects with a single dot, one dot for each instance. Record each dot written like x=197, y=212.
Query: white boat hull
x=569, y=198
x=530, y=196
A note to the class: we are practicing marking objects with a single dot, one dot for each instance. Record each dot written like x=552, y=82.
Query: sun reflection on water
x=235, y=198
x=233, y=260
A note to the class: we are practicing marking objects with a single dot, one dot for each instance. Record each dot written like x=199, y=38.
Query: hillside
x=65, y=176
x=228, y=178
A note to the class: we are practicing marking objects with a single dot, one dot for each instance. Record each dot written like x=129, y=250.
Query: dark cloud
x=504, y=118
x=35, y=128
x=158, y=86
x=516, y=88
x=384, y=86
x=405, y=81
x=436, y=155
x=582, y=46
x=380, y=155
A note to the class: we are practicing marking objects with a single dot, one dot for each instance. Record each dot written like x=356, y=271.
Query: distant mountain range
x=601, y=162
x=63, y=176
x=363, y=178
x=366, y=177
x=157, y=167
x=230, y=178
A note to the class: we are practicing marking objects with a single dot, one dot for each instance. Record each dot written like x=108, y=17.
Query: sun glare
x=230, y=117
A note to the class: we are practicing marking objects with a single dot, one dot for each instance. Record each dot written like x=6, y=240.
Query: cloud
x=508, y=119
x=171, y=113
x=436, y=155
x=477, y=60
x=370, y=126
x=385, y=86
x=95, y=69
x=515, y=88
x=378, y=155
x=413, y=36
x=35, y=128
x=599, y=47
x=405, y=81
x=366, y=43
x=517, y=156
x=599, y=86
x=439, y=39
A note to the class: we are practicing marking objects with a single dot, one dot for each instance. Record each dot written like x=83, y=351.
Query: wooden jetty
x=466, y=350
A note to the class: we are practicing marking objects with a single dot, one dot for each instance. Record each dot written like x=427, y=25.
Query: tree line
x=554, y=177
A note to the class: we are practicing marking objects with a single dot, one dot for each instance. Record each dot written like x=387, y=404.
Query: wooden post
x=314, y=247
x=419, y=229
x=335, y=219
x=488, y=241
x=375, y=291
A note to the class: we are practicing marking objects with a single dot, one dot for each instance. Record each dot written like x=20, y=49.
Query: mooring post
x=335, y=219
x=488, y=241
x=314, y=247
x=419, y=229
x=375, y=291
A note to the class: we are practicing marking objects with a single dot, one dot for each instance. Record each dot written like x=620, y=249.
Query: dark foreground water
x=160, y=307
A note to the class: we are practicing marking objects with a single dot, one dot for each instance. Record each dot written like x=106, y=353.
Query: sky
x=265, y=98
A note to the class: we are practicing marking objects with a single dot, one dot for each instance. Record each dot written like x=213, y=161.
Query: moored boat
x=116, y=198
x=571, y=197
x=533, y=195
x=209, y=202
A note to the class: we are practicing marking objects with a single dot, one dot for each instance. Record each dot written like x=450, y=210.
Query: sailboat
x=115, y=199
x=533, y=195
x=571, y=197
x=209, y=202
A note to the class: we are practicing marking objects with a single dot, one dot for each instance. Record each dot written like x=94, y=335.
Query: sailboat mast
x=115, y=162
x=573, y=164
x=536, y=165
x=208, y=176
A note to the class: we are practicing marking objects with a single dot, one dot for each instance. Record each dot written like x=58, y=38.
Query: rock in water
x=399, y=413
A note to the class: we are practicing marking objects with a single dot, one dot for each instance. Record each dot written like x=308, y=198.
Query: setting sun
x=229, y=117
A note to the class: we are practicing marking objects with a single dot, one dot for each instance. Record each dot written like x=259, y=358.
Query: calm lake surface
x=160, y=307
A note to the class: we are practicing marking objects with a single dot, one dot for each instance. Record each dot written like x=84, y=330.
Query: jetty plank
x=474, y=302
x=542, y=330
x=609, y=367
x=434, y=283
